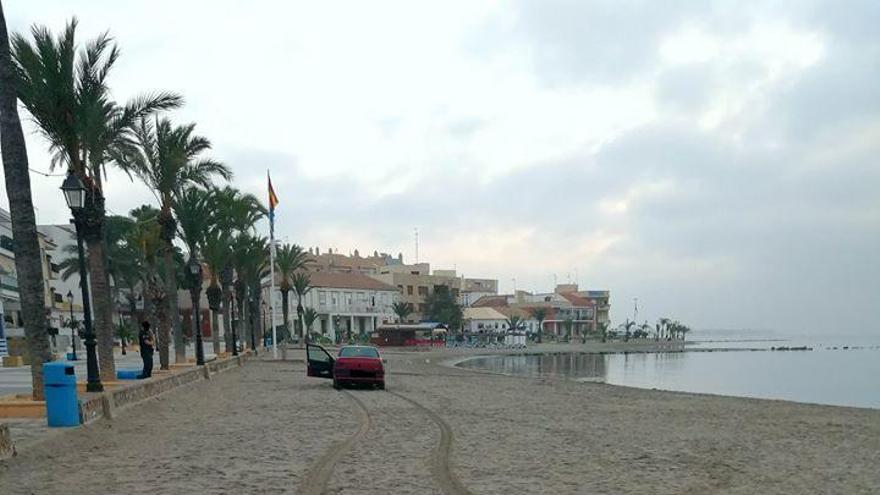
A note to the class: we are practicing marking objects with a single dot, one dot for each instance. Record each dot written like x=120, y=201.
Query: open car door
x=320, y=362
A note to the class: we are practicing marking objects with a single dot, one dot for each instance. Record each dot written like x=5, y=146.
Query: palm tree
x=402, y=310
x=234, y=212
x=288, y=259
x=148, y=240
x=250, y=267
x=540, y=314
x=603, y=331
x=628, y=329
x=216, y=253
x=301, y=286
x=193, y=208
x=514, y=322
x=21, y=210
x=64, y=87
x=167, y=160
x=310, y=316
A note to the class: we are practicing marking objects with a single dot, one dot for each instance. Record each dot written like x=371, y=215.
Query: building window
x=58, y=297
x=348, y=298
x=322, y=297
x=333, y=299
x=421, y=308
x=409, y=290
x=423, y=290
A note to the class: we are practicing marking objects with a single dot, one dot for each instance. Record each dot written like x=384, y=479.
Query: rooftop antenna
x=514, y=286
x=417, y=244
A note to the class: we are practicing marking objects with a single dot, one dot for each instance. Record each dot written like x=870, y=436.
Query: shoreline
x=457, y=363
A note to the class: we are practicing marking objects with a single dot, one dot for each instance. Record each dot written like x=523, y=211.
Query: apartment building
x=416, y=283
x=336, y=262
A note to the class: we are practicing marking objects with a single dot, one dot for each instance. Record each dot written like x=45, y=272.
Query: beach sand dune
x=269, y=429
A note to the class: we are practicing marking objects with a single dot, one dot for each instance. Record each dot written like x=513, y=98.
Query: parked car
x=354, y=364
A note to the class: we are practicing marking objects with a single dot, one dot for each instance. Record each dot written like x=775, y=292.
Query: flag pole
x=272, y=275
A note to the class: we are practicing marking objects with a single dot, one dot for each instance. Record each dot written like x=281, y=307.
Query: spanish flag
x=273, y=199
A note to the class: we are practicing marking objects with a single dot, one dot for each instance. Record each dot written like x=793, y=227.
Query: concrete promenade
x=18, y=380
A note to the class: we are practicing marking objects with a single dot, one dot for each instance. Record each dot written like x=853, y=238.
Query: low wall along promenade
x=93, y=406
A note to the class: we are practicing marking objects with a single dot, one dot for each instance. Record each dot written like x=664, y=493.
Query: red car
x=355, y=364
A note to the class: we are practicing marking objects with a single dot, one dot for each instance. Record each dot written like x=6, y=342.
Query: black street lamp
x=265, y=321
x=195, y=272
x=72, y=325
x=75, y=196
x=232, y=325
x=252, y=324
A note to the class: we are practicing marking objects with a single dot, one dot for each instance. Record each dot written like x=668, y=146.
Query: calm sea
x=829, y=374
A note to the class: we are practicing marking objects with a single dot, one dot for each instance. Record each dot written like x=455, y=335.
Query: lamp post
x=253, y=324
x=72, y=326
x=75, y=196
x=195, y=273
x=265, y=322
x=232, y=325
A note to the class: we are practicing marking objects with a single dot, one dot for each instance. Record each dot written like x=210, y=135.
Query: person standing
x=147, y=344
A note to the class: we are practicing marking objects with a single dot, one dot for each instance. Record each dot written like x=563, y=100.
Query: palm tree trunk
x=173, y=312
x=160, y=317
x=132, y=320
x=215, y=331
x=227, y=319
x=28, y=262
x=101, y=296
x=285, y=311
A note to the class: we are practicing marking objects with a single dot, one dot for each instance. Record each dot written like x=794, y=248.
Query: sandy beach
x=267, y=428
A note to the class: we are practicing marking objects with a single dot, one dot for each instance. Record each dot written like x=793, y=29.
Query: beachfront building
x=483, y=320
x=416, y=282
x=335, y=262
x=348, y=303
x=12, y=332
x=472, y=289
x=567, y=309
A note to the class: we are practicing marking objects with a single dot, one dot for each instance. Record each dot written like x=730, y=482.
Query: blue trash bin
x=59, y=380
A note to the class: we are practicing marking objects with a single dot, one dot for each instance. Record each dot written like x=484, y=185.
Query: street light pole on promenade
x=72, y=325
x=195, y=272
x=75, y=196
x=232, y=326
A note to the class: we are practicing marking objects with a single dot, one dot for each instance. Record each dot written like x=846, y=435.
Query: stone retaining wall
x=107, y=403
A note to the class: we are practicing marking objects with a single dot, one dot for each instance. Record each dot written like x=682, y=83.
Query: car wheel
x=380, y=385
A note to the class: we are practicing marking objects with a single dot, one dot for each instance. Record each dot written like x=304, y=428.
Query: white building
x=345, y=302
x=484, y=321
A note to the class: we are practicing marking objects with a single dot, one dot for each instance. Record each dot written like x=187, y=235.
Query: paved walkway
x=18, y=380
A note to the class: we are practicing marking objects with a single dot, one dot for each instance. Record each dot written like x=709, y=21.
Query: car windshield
x=369, y=352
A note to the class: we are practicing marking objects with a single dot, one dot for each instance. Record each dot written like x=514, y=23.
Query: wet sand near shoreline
x=269, y=429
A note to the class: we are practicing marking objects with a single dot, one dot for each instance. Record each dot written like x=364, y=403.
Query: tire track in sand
x=443, y=475
x=315, y=481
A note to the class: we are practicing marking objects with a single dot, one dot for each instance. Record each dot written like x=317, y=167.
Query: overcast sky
x=717, y=160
